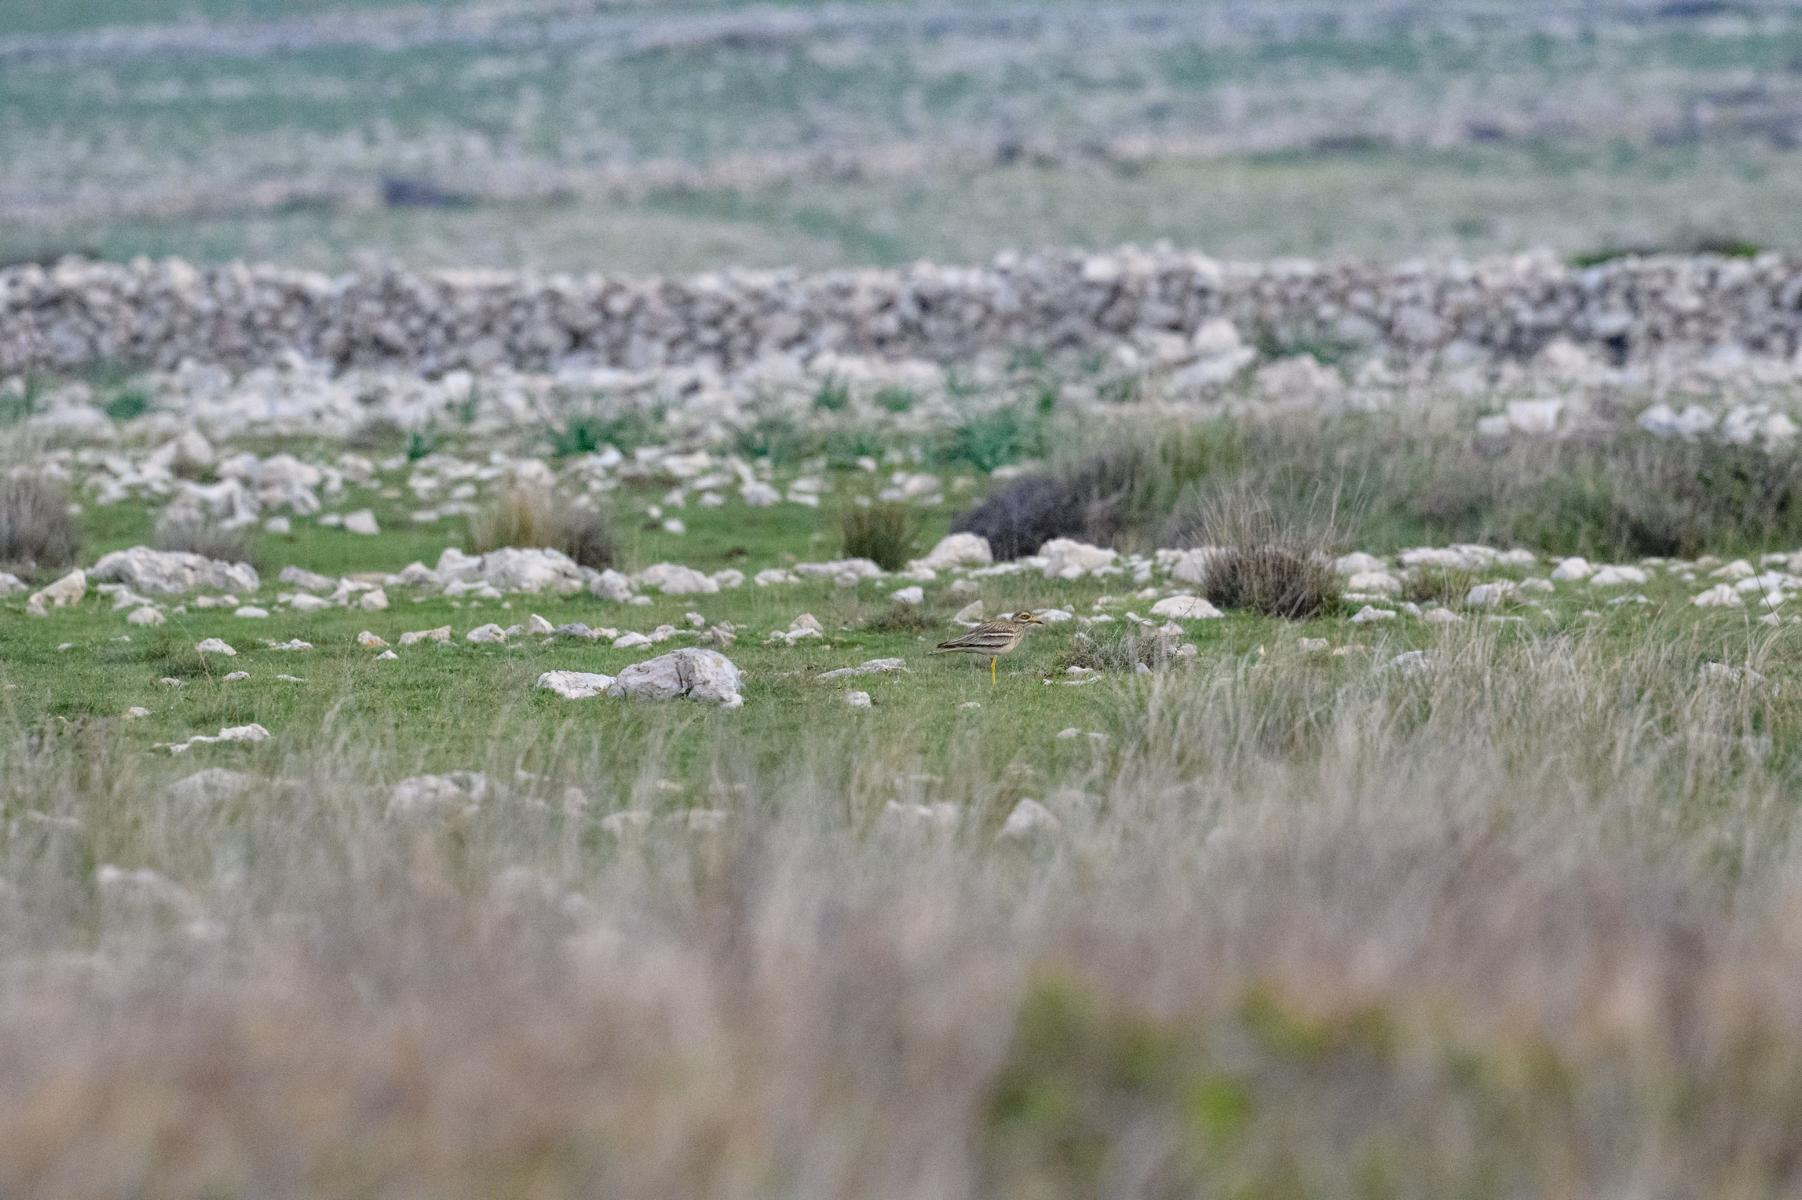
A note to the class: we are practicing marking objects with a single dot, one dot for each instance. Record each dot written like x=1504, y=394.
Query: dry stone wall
x=162, y=313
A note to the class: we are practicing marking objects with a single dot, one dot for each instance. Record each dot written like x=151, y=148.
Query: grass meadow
x=1398, y=802
x=1500, y=901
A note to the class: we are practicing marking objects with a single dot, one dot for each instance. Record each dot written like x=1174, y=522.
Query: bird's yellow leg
x=992, y=663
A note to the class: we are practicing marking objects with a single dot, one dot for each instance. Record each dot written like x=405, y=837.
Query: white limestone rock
x=706, y=676
x=173, y=572
x=957, y=550
x=68, y=590
x=233, y=733
x=575, y=685
x=458, y=794
x=674, y=579
x=1029, y=821
x=1066, y=558
x=1184, y=607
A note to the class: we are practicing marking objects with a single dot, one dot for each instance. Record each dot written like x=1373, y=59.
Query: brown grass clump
x=1263, y=561
x=197, y=534
x=37, y=531
x=886, y=533
x=532, y=517
x=1439, y=585
x=1122, y=654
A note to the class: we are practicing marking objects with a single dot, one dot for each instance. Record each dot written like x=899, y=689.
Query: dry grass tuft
x=886, y=533
x=37, y=532
x=1123, y=653
x=532, y=517
x=1265, y=561
x=197, y=534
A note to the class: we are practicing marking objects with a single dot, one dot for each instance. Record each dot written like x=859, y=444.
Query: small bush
x=1279, y=565
x=778, y=440
x=895, y=399
x=884, y=533
x=37, y=532
x=834, y=396
x=197, y=534
x=422, y=443
x=531, y=517
x=1439, y=585
x=127, y=405
x=996, y=438
x=904, y=618
x=586, y=432
x=1122, y=653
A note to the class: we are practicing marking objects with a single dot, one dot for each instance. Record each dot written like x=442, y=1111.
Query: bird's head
x=1027, y=618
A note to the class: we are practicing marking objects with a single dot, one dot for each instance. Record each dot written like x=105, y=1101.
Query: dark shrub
x=1023, y=514
x=37, y=532
x=1125, y=491
x=587, y=537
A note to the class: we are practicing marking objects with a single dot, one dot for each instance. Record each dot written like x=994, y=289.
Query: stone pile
x=162, y=313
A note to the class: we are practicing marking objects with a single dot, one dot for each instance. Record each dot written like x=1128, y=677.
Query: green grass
x=1282, y=882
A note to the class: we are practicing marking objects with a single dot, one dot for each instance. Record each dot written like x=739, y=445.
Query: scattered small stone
x=65, y=591
x=214, y=645
x=875, y=666
x=1184, y=607
x=233, y=733
x=858, y=699
x=1721, y=595
x=1029, y=821
x=575, y=685
x=428, y=796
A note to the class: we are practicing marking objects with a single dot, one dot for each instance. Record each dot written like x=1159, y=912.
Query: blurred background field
x=652, y=138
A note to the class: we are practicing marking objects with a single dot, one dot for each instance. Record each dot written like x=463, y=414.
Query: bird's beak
x=1036, y=621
